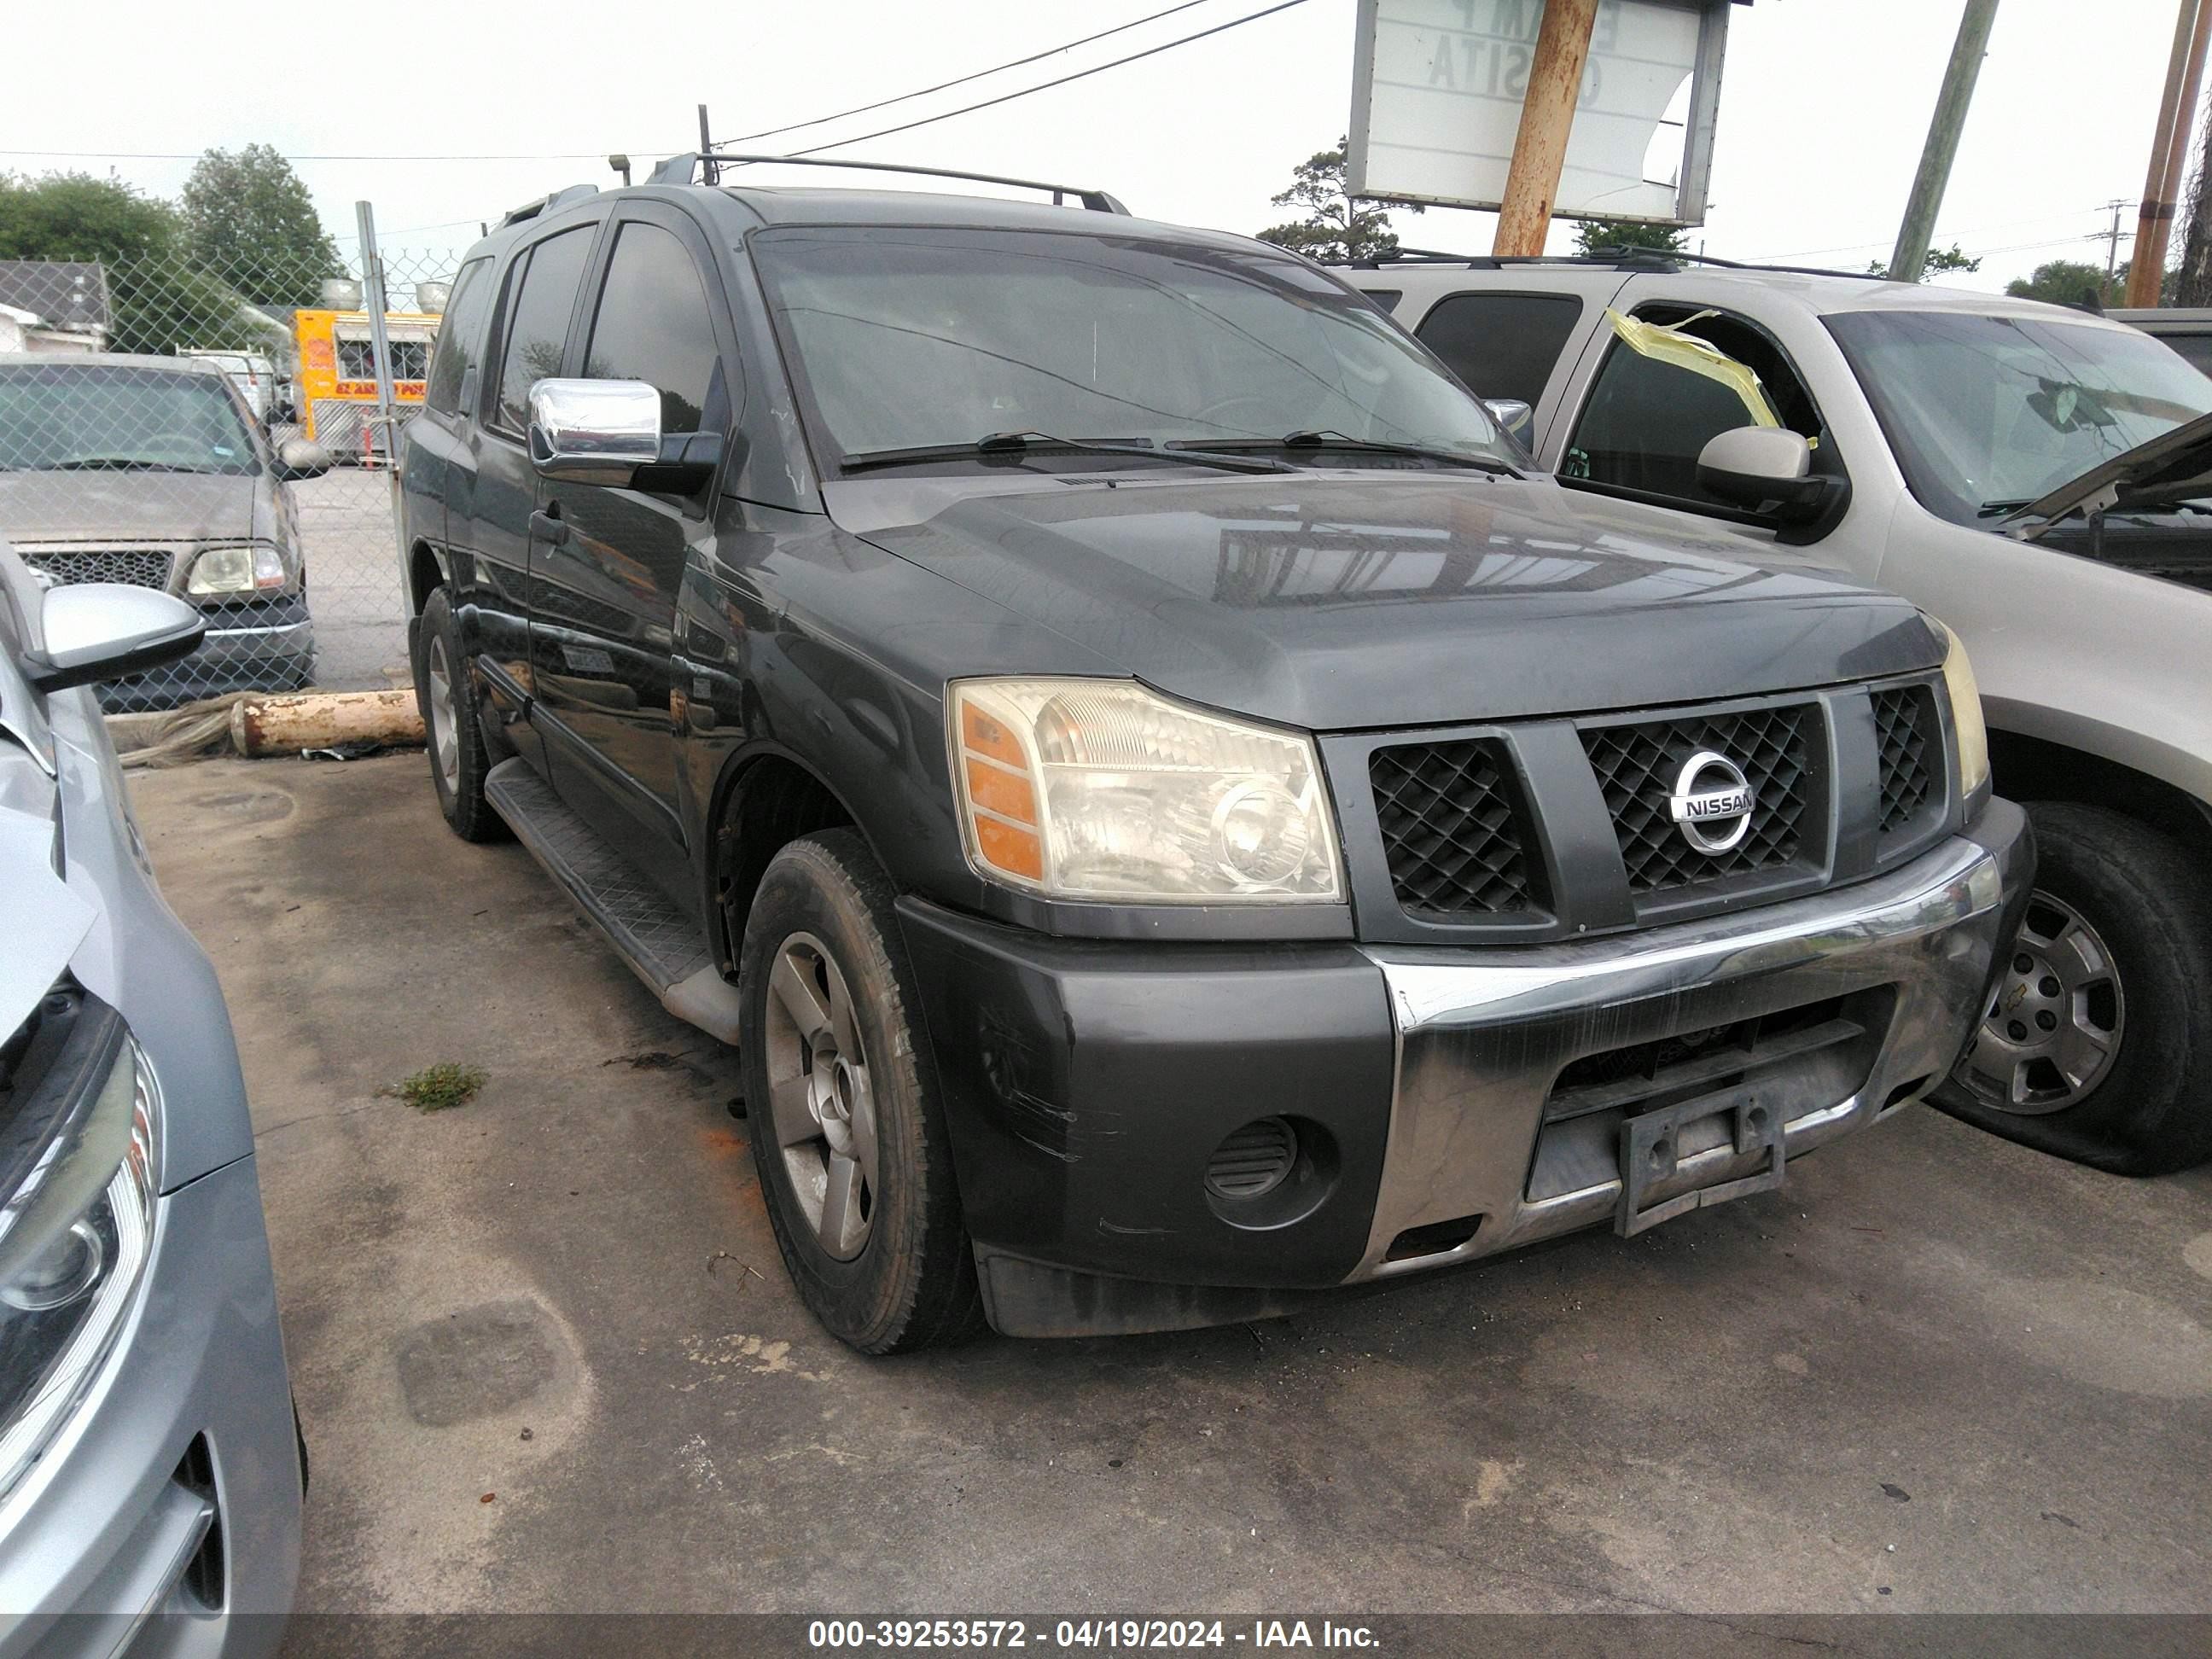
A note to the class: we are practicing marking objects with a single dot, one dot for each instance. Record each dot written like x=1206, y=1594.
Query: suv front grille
x=1637, y=766
x=140, y=567
x=1905, y=724
x=1450, y=827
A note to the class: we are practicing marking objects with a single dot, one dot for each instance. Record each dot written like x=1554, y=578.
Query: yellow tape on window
x=1671, y=345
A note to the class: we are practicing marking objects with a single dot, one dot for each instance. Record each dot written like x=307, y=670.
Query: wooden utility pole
x=2111, y=239
x=1910, y=255
x=2169, y=151
x=1548, y=114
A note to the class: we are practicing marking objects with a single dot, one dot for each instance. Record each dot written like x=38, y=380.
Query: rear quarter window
x=1502, y=345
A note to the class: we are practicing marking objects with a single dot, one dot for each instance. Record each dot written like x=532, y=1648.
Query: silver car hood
x=2174, y=466
x=139, y=507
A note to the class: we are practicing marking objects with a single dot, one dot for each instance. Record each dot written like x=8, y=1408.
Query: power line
x=1006, y=98
x=943, y=86
x=1971, y=230
x=884, y=132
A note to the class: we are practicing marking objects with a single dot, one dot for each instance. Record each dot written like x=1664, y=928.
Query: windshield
x=911, y=338
x=67, y=415
x=1989, y=413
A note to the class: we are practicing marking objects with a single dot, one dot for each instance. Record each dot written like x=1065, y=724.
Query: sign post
x=1605, y=107
x=1547, y=116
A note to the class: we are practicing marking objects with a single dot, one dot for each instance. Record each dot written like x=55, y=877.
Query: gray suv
x=150, y=471
x=1175, y=814
x=150, y=1466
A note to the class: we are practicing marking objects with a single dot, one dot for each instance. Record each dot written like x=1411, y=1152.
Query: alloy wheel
x=444, y=733
x=2053, y=1027
x=821, y=1108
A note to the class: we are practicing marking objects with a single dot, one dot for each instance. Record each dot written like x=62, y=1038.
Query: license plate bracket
x=1650, y=1147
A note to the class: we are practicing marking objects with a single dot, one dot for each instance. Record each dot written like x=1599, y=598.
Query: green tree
x=2069, y=282
x=1593, y=234
x=157, y=299
x=1939, y=260
x=1337, y=226
x=249, y=220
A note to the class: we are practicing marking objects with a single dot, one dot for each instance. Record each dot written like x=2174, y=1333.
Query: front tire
x=458, y=761
x=2097, y=1043
x=848, y=1134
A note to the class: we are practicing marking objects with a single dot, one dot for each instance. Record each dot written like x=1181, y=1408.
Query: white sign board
x=1436, y=102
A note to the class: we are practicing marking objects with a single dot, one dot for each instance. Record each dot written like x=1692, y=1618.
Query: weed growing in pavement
x=440, y=1088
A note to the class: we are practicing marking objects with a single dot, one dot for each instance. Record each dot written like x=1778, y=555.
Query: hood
x=1340, y=601
x=138, y=507
x=2174, y=466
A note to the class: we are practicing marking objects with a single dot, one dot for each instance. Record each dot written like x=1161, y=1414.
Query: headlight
x=235, y=570
x=1099, y=789
x=77, y=1227
x=1965, y=712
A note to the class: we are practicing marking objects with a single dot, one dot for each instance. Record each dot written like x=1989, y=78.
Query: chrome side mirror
x=103, y=630
x=300, y=458
x=1515, y=417
x=594, y=432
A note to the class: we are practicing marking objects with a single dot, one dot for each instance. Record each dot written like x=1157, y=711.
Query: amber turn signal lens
x=996, y=790
x=982, y=735
x=1006, y=847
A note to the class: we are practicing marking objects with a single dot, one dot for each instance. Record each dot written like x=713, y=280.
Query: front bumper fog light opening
x=1271, y=1172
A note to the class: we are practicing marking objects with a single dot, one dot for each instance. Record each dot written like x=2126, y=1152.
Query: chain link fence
x=171, y=426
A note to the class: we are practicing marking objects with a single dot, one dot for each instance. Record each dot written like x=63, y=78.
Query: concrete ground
x=548, y=1360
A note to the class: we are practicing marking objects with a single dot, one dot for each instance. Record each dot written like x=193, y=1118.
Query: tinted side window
x=1645, y=424
x=1502, y=345
x=537, y=320
x=654, y=326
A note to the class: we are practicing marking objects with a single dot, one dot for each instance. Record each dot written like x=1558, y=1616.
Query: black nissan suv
x=1176, y=813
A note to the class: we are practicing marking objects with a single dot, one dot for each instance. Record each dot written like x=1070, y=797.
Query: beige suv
x=2034, y=476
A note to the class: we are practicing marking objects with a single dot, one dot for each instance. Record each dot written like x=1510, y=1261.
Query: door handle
x=548, y=527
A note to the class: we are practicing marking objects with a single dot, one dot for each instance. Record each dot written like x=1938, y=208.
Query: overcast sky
x=1824, y=106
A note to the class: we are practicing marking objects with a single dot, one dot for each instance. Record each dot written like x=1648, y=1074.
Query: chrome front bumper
x=1482, y=1038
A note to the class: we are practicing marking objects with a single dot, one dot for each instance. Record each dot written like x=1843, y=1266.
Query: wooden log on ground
x=324, y=720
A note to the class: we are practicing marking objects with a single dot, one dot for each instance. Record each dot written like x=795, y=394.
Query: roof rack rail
x=680, y=169
x=544, y=204
x=1750, y=264
x=1603, y=258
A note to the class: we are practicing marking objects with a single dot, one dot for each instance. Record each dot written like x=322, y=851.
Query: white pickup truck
x=2038, y=478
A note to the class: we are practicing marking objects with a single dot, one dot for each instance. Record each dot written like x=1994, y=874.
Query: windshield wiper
x=1998, y=509
x=1327, y=439
x=1015, y=445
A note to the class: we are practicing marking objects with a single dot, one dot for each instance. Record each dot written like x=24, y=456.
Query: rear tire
x=459, y=760
x=843, y=1114
x=2098, y=1041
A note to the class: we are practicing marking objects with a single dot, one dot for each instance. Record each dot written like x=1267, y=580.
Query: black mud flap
x=1649, y=1155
